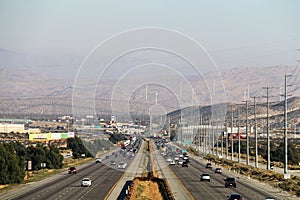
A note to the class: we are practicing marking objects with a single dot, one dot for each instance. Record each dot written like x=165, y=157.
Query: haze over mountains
x=44, y=85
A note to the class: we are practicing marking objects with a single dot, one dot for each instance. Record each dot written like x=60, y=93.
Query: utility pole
x=239, y=134
x=255, y=121
x=226, y=142
x=213, y=139
x=216, y=133
x=222, y=135
x=247, y=135
x=231, y=132
x=285, y=127
x=169, y=127
x=268, y=131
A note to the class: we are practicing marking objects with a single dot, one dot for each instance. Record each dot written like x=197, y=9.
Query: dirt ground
x=145, y=190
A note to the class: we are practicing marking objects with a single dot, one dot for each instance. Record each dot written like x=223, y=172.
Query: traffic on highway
x=201, y=179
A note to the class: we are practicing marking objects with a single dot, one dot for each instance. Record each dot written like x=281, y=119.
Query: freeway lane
x=67, y=186
x=215, y=189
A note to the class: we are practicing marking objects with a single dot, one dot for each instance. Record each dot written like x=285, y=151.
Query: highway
x=104, y=175
x=215, y=189
x=67, y=186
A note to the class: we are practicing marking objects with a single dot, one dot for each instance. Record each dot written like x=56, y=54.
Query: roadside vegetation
x=45, y=160
x=14, y=159
x=115, y=138
x=78, y=148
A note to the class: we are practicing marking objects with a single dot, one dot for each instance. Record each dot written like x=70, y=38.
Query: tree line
x=14, y=158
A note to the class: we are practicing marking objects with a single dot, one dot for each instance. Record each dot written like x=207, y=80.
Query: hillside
x=34, y=90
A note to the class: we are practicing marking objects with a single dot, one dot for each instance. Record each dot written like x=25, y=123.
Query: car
x=176, y=158
x=169, y=159
x=234, y=197
x=185, y=158
x=208, y=166
x=269, y=198
x=205, y=177
x=122, y=165
x=185, y=164
x=218, y=170
x=98, y=160
x=180, y=162
x=172, y=162
x=230, y=182
x=106, y=157
x=86, y=182
x=113, y=162
x=72, y=170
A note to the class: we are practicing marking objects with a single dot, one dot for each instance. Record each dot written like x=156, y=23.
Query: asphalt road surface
x=68, y=186
x=215, y=189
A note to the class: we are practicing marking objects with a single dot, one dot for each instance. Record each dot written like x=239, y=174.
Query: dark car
x=208, y=165
x=72, y=170
x=185, y=164
x=113, y=162
x=218, y=170
x=230, y=182
x=235, y=197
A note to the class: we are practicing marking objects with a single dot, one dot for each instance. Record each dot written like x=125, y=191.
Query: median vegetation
x=149, y=186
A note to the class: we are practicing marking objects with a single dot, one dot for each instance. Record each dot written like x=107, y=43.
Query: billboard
x=39, y=136
x=51, y=136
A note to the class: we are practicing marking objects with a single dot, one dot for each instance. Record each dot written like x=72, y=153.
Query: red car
x=72, y=170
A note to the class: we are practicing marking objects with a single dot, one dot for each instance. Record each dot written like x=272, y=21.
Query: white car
x=122, y=165
x=86, y=182
x=169, y=159
x=176, y=158
x=172, y=162
x=98, y=160
x=205, y=177
x=180, y=162
x=185, y=158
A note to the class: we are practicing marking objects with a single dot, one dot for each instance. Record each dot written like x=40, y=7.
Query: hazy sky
x=236, y=33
